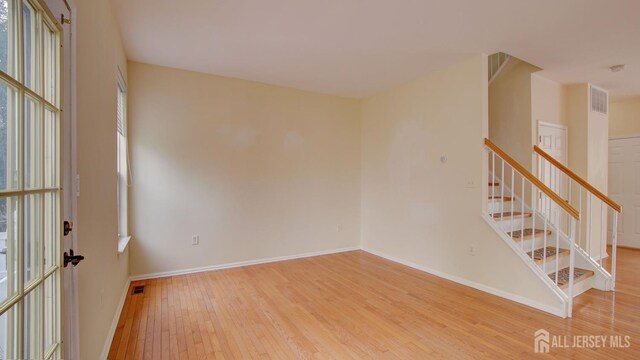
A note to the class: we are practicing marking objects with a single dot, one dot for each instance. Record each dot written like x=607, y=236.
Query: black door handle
x=71, y=258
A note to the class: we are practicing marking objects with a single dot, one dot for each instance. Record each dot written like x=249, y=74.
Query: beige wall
x=510, y=110
x=258, y=171
x=548, y=101
x=624, y=118
x=103, y=275
x=577, y=115
x=419, y=210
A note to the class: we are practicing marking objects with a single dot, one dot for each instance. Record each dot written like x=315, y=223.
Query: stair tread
x=509, y=215
x=528, y=233
x=551, y=252
x=494, y=183
x=578, y=276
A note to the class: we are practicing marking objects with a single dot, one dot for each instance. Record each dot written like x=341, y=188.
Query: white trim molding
x=241, y=264
x=114, y=322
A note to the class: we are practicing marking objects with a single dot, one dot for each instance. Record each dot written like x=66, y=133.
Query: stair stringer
x=537, y=270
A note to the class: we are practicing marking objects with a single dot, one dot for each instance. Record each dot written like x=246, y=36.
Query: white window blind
x=121, y=111
x=122, y=161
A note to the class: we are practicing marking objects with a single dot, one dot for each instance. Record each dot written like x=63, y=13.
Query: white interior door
x=31, y=200
x=624, y=188
x=553, y=140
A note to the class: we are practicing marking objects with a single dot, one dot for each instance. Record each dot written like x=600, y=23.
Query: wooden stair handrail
x=612, y=204
x=534, y=180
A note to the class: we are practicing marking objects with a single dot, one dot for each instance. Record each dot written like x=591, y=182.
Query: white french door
x=30, y=181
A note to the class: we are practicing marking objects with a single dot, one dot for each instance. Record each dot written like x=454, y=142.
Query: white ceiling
x=359, y=47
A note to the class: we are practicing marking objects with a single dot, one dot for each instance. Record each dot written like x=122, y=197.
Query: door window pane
x=32, y=144
x=50, y=315
x=7, y=45
x=30, y=26
x=8, y=247
x=51, y=230
x=32, y=324
x=8, y=338
x=8, y=138
x=51, y=157
x=32, y=237
x=50, y=64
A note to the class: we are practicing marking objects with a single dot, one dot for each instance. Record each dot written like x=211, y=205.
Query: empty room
x=218, y=179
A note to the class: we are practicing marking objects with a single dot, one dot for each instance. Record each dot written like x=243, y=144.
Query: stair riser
x=496, y=206
x=518, y=223
x=498, y=191
x=550, y=266
x=580, y=287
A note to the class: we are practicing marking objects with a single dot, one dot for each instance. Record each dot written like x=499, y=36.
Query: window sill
x=123, y=242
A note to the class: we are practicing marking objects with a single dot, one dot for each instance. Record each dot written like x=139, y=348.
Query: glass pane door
x=30, y=202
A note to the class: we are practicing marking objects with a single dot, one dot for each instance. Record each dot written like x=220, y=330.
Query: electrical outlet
x=195, y=240
x=339, y=228
x=472, y=251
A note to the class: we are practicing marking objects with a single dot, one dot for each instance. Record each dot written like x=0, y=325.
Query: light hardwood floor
x=356, y=305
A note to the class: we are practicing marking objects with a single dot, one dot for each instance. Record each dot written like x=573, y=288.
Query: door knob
x=67, y=227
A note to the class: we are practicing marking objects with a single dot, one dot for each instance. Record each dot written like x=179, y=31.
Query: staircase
x=537, y=239
x=545, y=230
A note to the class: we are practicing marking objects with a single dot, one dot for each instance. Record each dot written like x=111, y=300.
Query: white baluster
x=522, y=211
x=614, y=248
x=502, y=193
x=493, y=182
x=534, y=191
x=572, y=233
x=602, y=238
x=580, y=238
x=589, y=225
x=546, y=220
x=513, y=197
x=558, y=254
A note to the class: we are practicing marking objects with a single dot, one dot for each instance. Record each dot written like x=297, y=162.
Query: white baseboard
x=497, y=292
x=240, y=264
x=114, y=323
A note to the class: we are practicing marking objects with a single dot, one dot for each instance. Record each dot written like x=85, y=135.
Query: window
x=123, y=165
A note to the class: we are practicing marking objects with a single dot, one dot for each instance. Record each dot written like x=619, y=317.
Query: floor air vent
x=137, y=290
